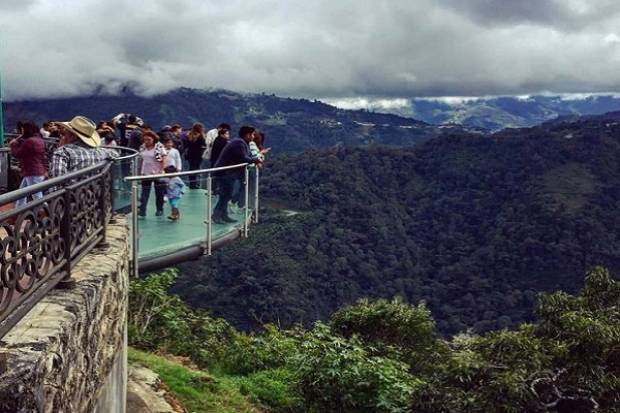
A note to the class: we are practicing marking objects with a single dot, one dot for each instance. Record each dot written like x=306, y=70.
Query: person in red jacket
x=29, y=149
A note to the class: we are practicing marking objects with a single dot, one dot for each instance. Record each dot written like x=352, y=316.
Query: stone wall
x=68, y=354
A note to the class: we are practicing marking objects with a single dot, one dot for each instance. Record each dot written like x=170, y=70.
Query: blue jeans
x=29, y=181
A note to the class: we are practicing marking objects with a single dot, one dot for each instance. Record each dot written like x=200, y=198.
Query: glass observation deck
x=159, y=242
x=156, y=241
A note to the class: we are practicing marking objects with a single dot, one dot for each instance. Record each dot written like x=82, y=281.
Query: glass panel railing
x=220, y=203
x=125, y=164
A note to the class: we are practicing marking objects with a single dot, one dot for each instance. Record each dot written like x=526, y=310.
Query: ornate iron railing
x=4, y=169
x=42, y=240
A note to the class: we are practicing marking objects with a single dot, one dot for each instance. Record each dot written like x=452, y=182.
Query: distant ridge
x=507, y=112
x=291, y=124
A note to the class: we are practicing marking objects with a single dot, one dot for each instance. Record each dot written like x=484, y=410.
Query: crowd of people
x=82, y=143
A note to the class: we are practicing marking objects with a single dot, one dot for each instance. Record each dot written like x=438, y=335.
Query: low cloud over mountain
x=395, y=48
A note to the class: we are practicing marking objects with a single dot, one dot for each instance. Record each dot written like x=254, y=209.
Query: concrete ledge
x=69, y=351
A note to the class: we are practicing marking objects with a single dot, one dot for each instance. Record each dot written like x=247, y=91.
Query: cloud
x=15, y=5
x=566, y=15
x=336, y=49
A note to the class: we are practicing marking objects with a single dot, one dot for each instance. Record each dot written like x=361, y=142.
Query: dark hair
x=167, y=139
x=196, y=133
x=30, y=128
x=107, y=135
x=132, y=118
x=152, y=135
x=244, y=130
x=176, y=126
x=170, y=169
x=224, y=126
x=260, y=142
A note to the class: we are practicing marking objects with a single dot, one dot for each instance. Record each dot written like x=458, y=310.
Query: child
x=174, y=157
x=174, y=192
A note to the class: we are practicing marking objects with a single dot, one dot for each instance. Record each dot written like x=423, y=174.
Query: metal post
x=134, y=228
x=1, y=118
x=65, y=233
x=246, y=201
x=102, y=204
x=256, y=196
x=209, y=212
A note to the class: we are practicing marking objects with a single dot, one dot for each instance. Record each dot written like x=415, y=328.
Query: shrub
x=249, y=353
x=275, y=388
x=159, y=321
x=340, y=374
x=394, y=323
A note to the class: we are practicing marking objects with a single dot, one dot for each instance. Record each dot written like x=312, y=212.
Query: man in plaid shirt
x=78, y=147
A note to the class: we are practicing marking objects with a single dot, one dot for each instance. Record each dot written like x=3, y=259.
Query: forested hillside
x=474, y=226
x=291, y=125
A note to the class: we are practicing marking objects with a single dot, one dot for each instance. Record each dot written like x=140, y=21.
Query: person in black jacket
x=194, y=146
x=223, y=136
x=235, y=152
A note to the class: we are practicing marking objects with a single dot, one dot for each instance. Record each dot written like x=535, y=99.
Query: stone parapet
x=68, y=354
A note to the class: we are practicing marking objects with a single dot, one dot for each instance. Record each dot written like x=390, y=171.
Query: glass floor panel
x=159, y=235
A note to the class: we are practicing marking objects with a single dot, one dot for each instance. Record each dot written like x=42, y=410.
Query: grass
x=198, y=391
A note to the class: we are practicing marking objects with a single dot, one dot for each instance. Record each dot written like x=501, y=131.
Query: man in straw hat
x=78, y=147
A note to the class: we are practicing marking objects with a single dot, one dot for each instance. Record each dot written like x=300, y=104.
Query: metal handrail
x=52, y=182
x=132, y=152
x=49, y=183
x=184, y=173
x=45, y=238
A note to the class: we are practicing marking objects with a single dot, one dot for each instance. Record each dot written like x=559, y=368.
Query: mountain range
x=291, y=125
x=507, y=112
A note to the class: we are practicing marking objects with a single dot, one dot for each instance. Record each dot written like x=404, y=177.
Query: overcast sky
x=312, y=48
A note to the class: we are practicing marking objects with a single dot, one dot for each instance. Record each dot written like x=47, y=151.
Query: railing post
x=246, y=201
x=209, y=213
x=65, y=233
x=102, y=203
x=134, y=228
x=256, y=196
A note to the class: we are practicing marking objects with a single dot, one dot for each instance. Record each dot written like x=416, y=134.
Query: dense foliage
x=386, y=357
x=292, y=125
x=474, y=226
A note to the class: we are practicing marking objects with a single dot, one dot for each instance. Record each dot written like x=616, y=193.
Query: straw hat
x=85, y=129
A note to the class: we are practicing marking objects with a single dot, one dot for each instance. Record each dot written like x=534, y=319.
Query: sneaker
x=159, y=213
x=228, y=219
x=141, y=214
x=218, y=220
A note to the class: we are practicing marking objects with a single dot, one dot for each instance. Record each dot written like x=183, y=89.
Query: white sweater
x=174, y=159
